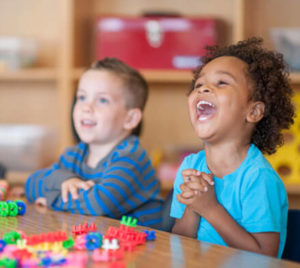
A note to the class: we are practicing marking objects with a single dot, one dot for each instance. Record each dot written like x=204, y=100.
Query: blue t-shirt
x=253, y=195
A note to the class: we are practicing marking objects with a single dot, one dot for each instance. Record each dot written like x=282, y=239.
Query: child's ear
x=256, y=113
x=134, y=116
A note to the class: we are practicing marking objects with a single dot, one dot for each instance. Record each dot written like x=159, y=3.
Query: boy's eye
x=103, y=100
x=80, y=98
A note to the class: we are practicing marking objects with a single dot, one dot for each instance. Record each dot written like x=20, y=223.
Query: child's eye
x=80, y=98
x=222, y=82
x=198, y=85
x=103, y=100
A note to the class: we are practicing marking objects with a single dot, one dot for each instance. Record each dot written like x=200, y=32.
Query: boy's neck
x=99, y=151
x=224, y=159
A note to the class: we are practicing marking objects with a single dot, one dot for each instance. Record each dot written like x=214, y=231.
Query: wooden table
x=168, y=250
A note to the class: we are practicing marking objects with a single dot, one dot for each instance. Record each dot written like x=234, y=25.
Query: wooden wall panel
x=25, y=103
x=262, y=15
x=33, y=18
x=166, y=118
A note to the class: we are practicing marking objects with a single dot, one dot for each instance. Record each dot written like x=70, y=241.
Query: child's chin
x=86, y=139
x=203, y=135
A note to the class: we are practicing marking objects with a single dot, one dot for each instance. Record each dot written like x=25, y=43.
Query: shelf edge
x=32, y=74
x=295, y=78
x=155, y=76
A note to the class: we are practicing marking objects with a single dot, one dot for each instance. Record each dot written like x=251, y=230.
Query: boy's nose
x=88, y=107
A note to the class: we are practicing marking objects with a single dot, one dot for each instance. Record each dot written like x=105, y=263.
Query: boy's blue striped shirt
x=125, y=183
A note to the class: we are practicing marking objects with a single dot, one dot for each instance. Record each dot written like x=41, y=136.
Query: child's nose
x=204, y=89
x=88, y=107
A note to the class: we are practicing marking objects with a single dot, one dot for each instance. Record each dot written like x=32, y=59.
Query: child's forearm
x=236, y=236
x=188, y=225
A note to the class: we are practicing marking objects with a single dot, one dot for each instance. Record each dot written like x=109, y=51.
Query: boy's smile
x=88, y=123
x=219, y=103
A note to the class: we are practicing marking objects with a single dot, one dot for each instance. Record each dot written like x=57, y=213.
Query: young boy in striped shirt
x=108, y=172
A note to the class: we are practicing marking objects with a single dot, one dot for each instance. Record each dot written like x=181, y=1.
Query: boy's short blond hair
x=134, y=83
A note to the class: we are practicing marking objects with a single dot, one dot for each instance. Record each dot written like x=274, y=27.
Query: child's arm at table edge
x=236, y=236
x=187, y=225
x=118, y=187
x=49, y=179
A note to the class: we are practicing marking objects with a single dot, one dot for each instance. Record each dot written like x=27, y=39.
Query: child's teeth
x=87, y=122
x=203, y=102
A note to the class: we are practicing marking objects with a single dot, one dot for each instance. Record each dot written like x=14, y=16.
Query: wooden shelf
x=295, y=78
x=156, y=76
x=167, y=76
x=32, y=74
x=77, y=73
x=166, y=185
x=292, y=189
x=152, y=76
x=172, y=76
x=17, y=177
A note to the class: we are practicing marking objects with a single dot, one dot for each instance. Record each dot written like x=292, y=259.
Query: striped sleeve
x=126, y=186
x=47, y=182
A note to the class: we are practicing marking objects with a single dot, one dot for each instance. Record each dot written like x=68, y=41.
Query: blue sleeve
x=127, y=182
x=47, y=182
x=264, y=202
x=177, y=209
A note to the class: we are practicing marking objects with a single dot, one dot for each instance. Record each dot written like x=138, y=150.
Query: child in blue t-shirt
x=229, y=194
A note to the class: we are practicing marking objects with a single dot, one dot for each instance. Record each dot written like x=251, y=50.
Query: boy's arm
x=42, y=182
x=127, y=182
x=46, y=182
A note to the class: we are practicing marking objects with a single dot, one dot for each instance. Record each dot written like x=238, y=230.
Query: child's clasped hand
x=198, y=191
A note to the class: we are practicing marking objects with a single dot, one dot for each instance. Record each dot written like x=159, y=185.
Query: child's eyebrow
x=97, y=93
x=226, y=73
x=219, y=72
x=80, y=90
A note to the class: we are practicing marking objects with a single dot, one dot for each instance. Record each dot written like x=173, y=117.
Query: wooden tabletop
x=168, y=250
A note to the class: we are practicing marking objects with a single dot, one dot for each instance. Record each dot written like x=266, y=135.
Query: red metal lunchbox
x=155, y=42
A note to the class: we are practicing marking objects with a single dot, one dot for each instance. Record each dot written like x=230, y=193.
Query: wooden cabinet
x=64, y=29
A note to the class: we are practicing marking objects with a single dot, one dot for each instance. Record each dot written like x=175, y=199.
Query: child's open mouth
x=205, y=110
x=88, y=123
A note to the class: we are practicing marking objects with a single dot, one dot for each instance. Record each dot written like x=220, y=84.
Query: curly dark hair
x=269, y=74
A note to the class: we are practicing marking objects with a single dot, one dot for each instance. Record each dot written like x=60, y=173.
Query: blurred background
x=46, y=44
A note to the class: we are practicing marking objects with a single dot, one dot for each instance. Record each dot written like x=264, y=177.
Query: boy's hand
x=72, y=186
x=41, y=201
